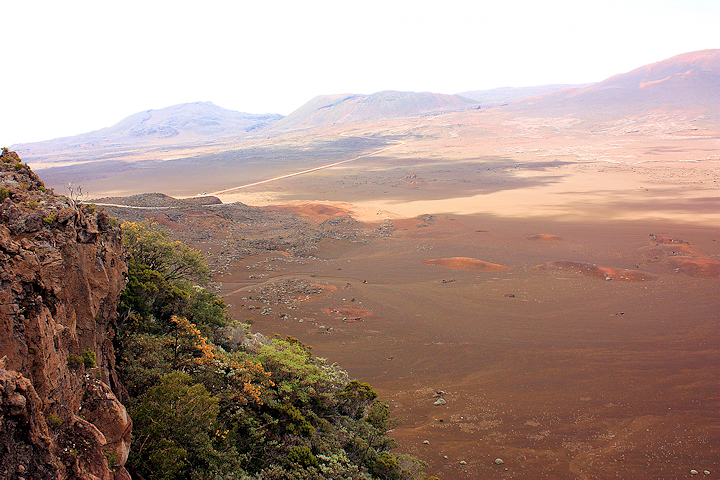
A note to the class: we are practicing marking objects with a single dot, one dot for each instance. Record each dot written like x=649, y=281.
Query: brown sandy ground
x=566, y=378
x=604, y=273
x=555, y=372
x=651, y=166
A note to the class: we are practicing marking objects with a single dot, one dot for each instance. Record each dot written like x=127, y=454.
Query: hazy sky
x=70, y=67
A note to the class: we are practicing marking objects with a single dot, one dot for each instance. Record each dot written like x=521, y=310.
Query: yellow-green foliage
x=175, y=424
x=74, y=360
x=86, y=357
x=151, y=247
x=54, y=420
x=111, y=458
x=199, y=411
x=89, y=358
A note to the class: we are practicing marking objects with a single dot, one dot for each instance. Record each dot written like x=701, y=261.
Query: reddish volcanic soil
x=595, y=354
x=314, y=211
x=544, y=237
x=697, y=267
x=465, y=263
x=544, y=364
x=603, y=273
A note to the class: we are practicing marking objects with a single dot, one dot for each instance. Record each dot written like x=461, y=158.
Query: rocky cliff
x=61, y=274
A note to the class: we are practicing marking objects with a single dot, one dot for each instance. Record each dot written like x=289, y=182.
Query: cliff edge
x=62, y=270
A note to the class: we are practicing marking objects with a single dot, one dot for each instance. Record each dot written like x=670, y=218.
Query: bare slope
x=505, y=95
x=333, y=109
x=187, y=123
x=578, y=360
x=681, y=94
x=689, y=82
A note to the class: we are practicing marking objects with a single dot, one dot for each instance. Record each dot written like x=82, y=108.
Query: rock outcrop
x=62, y=270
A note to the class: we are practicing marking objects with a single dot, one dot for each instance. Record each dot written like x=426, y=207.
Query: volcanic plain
x=531, y=285
x=557, y=289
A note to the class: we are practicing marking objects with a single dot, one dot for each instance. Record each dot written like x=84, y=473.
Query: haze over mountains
x=334, y=109
x=546, y=268
x=502, y=96
x=689, y=83
x=187, y=123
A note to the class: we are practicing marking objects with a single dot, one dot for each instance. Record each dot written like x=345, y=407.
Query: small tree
x=175, y=424
x=151, y=248
x=76, y=195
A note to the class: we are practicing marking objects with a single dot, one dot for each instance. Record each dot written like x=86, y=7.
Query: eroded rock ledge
x=61, y=274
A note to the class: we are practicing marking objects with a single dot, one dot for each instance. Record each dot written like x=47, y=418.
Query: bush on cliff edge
x=267, y=410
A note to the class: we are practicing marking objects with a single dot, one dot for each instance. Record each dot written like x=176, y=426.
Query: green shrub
x=274, y=411
x=18, y=166
x=176, y=424
x=151, y=247
x=4, y=193
x=50, y=219
x=294, y=421
x=386, y=466
x=32, y=204
x=302, y=456
x=54, y=420
x=42, y=188
x=111, y=458
x=74, y=361
x=89, y=358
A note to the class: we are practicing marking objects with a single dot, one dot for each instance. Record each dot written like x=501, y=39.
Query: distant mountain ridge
x=178, y=124
x=334, y=109
x=689, y=82
x=505, y=95
x=199, y=118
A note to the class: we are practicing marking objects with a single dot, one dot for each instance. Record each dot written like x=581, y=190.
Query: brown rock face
x=62, y=270
x=25, y=442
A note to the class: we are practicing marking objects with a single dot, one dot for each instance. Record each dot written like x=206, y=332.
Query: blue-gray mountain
x=184, y=124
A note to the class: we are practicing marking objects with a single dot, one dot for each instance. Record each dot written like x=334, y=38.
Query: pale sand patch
x=578, y=196
x=256, y=199
x=608, y=177
x=533, y=202
x=366, y=212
